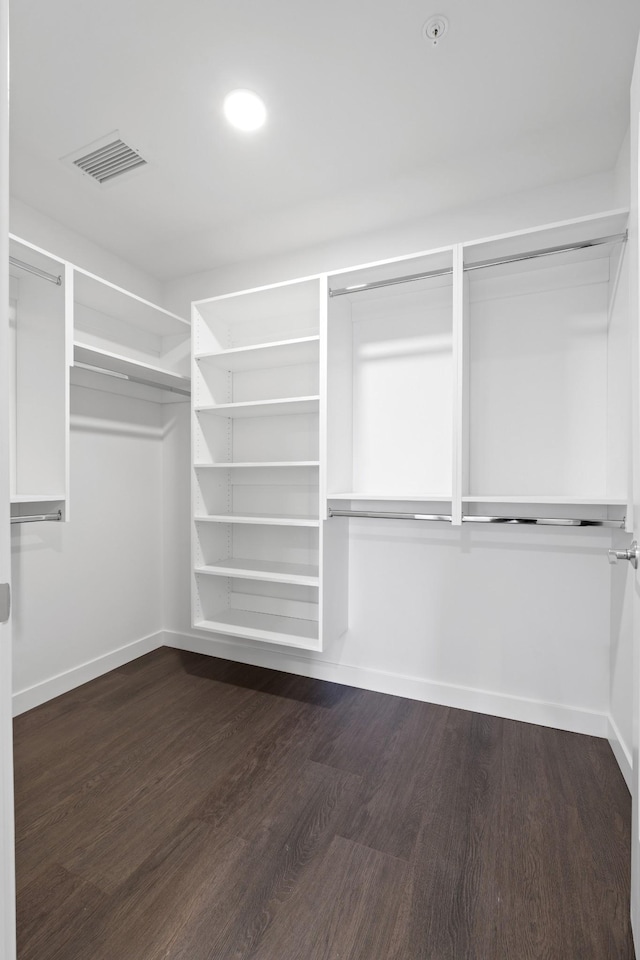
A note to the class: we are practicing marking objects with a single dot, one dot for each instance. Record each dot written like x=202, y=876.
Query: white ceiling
x=368, y=123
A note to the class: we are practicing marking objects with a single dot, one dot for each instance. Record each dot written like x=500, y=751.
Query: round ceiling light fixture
x=245, y=110
x=435, y=28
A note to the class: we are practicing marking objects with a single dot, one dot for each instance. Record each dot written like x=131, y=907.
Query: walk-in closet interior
x=321, y=445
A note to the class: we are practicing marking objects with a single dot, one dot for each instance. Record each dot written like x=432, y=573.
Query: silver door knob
x=632, y=555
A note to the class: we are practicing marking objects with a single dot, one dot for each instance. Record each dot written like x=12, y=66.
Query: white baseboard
x=621, y=752
x=63, y=682
x=556, y=715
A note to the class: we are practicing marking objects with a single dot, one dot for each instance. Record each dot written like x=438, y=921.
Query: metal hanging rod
x=481, y=264
x=375, y=284
x=127, y=376
x=548, y=251
x=374, y=514
x=546, y=521
x=36, y=271
x=39, y=517
x=515, y=521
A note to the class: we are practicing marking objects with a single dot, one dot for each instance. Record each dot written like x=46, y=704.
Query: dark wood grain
x=188, y=808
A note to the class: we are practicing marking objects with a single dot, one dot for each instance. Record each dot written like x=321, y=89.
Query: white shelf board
x=260, y=356
x=257, y=463
x=37, y=497
x=414, y=497
x=258, y=518
x=264, y=408
x=264, y=626
x=136, y=370
x=107, y=298
x=563, y=500
x=299, y=573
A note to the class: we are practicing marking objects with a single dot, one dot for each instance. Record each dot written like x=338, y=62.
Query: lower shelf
x=260, y=519
x=37, y=497
x=263, y=626
x=270, y=570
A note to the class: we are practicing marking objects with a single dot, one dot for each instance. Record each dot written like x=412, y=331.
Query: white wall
x=512, y=622
x=29, y=224
x=87, y=594
x=562, y=201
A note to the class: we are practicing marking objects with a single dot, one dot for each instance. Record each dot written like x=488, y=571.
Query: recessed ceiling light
x=245, y=110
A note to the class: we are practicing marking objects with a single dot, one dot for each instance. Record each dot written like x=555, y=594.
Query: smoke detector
x=435, y=28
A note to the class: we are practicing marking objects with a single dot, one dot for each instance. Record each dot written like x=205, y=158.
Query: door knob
x=632, y=555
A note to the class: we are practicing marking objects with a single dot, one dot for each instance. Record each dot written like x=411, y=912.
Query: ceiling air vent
x=107, y=159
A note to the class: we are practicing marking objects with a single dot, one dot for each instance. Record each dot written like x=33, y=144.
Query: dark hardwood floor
x=187, y=808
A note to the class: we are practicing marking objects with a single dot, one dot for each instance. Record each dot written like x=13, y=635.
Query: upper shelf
x=107, y=298
x=281, y=353
x=264, y=408
x=252, y=464
x=129, y=369
x=412, y=497
x=545, y=499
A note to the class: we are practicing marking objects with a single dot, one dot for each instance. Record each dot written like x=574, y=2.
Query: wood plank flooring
x=187, y=808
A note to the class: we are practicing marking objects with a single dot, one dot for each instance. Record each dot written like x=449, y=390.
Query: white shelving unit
x=39, y=416
x=545, y=348
x=257, y=403
x=392, y=379
x=486, y=378
x=483, y=381
x=70, y=326
x=123, y=342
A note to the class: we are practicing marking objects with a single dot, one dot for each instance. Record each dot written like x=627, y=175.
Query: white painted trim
x=559, y=716
x=621, y=752
x=63, y=682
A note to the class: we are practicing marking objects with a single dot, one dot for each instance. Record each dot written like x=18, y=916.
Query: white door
x=634, y=305
x=7, y=873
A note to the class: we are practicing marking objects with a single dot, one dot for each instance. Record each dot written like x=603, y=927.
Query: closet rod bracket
x=632, y=555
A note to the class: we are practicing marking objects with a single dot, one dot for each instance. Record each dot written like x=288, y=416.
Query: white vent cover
x=106, y=159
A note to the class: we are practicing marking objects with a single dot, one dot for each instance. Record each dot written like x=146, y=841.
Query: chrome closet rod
x=127, y=376
x=481, y=264
x=36, y=271
x=548, y=251
x=376, y=515
x=546, y=521
x=527, y=521
x=38, y=517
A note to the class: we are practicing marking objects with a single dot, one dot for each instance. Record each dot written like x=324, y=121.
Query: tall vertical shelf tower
x=257, y=530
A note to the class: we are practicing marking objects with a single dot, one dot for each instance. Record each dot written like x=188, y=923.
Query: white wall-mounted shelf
x=299, y=573
x=263, y=408
x=267, y=627
x=37, y=498
x=413, y=497
x=561, y=500
x=110, y=300
x=254, y=464
x=130, y=369
x=123, y=343
x=260, y=519
x=261, y=356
